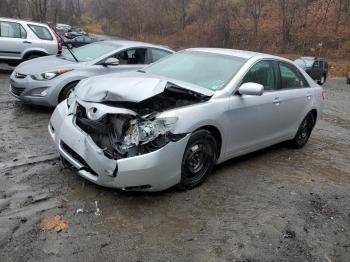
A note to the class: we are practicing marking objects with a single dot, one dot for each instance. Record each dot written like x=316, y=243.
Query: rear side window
x=291, y=78
x=12, y=30
x=158, y=54
x=41, y=31
x=316, y=65
x=262, y=73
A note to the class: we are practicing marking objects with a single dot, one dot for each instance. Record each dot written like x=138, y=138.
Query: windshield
x=89, y=52
x=208, y=70
x=304, y=62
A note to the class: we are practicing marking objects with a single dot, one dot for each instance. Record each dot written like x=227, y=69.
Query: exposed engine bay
x=124, y=135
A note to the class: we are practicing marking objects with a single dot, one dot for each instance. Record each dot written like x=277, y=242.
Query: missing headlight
x=122, y=136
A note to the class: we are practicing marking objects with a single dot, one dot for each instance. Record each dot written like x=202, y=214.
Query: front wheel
x=66, y=91
x=304, y=132
x=198, y=160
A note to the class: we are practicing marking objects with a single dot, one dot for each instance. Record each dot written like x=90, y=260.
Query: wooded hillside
x=310, y=27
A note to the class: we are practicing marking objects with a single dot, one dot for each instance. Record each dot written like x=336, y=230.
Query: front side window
x=12, y=30
x=135, y=56
x=158, y=54
x=204, y=69
x=41, y=32
x=291, y=77
x=262, y=73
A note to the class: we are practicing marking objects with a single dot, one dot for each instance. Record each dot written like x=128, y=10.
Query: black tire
x=304, y=132
x=66, y=91
x=322, y=80
x=198, y=160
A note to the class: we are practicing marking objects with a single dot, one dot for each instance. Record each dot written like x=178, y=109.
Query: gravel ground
x=274, y=205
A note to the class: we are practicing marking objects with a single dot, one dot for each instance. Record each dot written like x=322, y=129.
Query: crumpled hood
x=46, y=64
x=129, y=87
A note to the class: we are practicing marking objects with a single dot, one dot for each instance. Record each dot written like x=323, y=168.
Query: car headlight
x=50, y=75
x=70, y=99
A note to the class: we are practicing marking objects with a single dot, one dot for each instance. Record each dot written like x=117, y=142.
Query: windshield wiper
x=71, y=52
x=141, y=71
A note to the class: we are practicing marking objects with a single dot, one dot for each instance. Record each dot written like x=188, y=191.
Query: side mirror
x=111, y=62
x=253, y=89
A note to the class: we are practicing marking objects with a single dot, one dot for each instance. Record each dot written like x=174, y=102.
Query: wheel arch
x=314, y=114
x=34, y=52
x=217, y=135
x=65, y=86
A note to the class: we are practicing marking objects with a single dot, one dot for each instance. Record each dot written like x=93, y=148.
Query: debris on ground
x=98, y=211
x=289, y=234
x=54, y=223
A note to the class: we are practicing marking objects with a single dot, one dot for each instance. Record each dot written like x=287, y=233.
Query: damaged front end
x=126, y=135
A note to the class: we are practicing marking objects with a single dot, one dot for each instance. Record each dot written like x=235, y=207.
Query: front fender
x=210, y=113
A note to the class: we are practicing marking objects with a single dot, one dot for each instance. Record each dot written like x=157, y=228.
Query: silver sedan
x=171, y=122
x=48, y=80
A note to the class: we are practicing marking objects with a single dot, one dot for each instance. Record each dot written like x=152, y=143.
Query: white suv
x=24, y=40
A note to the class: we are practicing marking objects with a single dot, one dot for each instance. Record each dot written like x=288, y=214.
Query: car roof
x=235, y=52
x=310, y=58
x=230, y=52
x=127, y=43
x=22, y=20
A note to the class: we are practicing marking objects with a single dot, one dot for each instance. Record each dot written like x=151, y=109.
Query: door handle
x=27, y=42
x=276, y=101
x=309, y=96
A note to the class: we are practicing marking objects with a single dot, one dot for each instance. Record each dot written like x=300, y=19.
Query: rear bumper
x=154, y=171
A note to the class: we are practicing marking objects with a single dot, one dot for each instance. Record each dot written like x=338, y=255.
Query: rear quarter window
x=41, y=32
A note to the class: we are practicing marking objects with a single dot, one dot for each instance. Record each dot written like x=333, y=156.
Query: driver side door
x=253, y=120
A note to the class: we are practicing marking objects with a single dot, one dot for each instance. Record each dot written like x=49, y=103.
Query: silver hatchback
x=22, y=40
x=48, y=80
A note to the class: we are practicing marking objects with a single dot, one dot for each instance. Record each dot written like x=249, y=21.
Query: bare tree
x=256, y=10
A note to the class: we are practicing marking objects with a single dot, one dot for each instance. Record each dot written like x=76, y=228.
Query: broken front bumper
x=154, y=171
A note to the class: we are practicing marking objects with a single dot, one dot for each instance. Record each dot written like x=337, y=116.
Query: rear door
x=13, y=40
x=316, y=70
x=295, y=98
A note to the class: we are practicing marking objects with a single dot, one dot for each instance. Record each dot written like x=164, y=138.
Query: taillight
x=58, y=39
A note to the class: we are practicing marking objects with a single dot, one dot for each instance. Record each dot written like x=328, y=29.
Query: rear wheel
x=33, y=56
x=66, y=91
x=304, y=132
x=198, y=160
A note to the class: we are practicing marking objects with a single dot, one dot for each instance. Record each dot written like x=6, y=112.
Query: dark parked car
x=79, y=41
x=74, y=32
x=348, y=80
x=316, y=67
